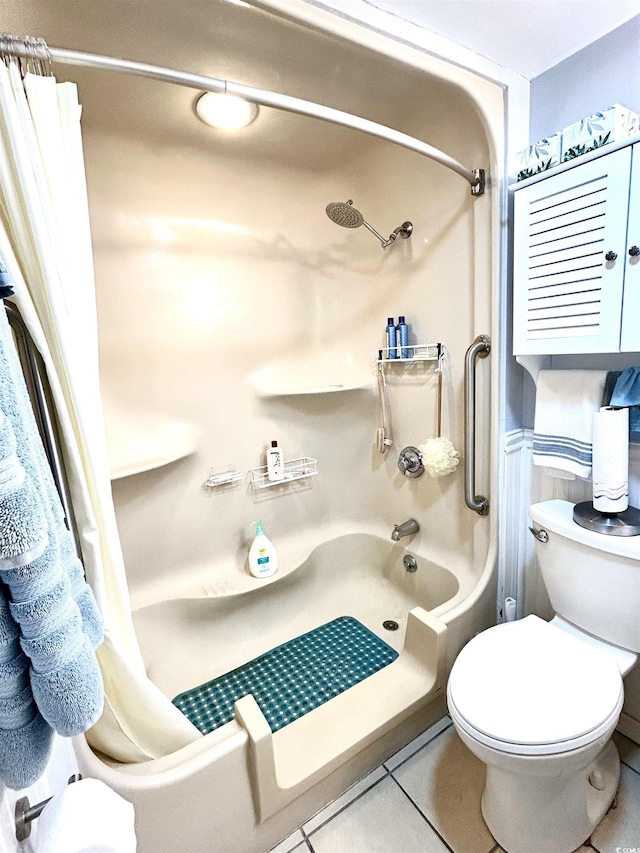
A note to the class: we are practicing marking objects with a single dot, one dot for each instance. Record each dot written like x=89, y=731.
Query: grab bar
x=480, y=348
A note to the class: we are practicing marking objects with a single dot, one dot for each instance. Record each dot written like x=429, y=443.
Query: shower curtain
x=45, y=243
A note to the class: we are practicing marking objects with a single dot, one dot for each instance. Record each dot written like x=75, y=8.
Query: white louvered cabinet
x=576, y=271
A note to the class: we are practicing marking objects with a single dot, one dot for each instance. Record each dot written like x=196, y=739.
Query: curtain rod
x=475, y=177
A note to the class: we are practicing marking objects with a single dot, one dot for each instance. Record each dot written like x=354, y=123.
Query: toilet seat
x=529, y=688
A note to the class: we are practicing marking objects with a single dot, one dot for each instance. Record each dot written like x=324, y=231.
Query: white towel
x=565, y=403
x=87, y=817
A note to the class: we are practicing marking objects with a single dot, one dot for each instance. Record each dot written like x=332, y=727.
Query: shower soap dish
x=224, y=477
x=294, y=469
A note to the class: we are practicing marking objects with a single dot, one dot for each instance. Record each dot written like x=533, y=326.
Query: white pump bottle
x=263, y=559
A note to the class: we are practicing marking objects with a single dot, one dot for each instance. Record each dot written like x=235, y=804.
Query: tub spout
x=408, y=528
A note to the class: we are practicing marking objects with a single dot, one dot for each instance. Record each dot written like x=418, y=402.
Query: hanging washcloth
x=627, y=390
x=565, y=403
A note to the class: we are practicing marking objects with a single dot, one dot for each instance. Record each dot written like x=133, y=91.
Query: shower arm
x=405, y=230
x=264, y=97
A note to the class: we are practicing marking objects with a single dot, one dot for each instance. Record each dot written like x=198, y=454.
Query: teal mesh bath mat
x=292, y=679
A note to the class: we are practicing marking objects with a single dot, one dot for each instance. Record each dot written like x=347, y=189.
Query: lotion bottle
x=263, y=559
x=275, y=463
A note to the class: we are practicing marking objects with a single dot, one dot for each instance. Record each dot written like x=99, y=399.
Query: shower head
x=343, y=213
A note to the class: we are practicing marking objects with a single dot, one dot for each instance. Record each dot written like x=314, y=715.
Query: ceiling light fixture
x=228, y=112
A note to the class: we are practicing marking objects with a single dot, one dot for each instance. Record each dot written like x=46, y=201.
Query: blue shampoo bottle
x=402, y=338
x=391, y=336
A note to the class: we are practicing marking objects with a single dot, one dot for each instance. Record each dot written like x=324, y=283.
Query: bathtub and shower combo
x=229, y=303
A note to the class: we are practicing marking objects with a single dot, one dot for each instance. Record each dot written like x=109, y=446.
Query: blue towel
x=46, y=612
x=611, y=387
x=70, y=697
x=50, y=602
x=23, y=525
x=627, y=390
x=25, y=752
x=6, y=283
x=25, y=737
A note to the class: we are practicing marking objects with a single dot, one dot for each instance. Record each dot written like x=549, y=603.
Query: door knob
x=634, y=251
x=611, y=256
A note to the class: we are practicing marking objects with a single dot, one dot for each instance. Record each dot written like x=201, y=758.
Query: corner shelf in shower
x=139, y=447
x=294, y=469
x=315, y=373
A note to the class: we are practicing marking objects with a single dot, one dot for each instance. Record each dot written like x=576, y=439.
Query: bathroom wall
x=603, y=73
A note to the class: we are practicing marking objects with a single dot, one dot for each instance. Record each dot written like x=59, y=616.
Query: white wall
x=604, y=73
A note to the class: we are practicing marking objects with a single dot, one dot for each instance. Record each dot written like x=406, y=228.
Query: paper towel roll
x=86, y=816
x=610, y=447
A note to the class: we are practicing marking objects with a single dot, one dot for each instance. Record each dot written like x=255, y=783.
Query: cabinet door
x=567, y=296
x=630, y=341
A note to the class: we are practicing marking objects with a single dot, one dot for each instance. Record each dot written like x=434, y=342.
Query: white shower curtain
x=45, y=243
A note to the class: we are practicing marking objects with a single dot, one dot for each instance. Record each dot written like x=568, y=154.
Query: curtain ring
x=44, y=58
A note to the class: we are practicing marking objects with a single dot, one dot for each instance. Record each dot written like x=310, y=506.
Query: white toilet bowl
x=538, y=706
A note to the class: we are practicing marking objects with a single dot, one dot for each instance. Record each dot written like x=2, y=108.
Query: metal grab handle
x=480, y=348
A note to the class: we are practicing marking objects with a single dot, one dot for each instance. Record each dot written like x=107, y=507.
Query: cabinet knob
x=634, y=251
x=611, y=256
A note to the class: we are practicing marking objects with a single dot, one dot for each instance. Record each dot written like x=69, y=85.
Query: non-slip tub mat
x=292, y=679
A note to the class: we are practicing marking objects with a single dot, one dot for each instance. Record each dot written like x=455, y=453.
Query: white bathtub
x=241, y=788
x=357, y=574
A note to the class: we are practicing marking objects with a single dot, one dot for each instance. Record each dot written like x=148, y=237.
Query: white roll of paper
x=610, y=447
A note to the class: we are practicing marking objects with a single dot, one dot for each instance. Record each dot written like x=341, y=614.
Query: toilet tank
x=593, y=579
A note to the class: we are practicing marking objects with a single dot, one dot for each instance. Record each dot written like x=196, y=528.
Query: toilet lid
x=528, y=687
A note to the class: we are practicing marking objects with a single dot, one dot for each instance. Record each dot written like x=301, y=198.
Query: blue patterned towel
x=565, y=403
x=51, y=604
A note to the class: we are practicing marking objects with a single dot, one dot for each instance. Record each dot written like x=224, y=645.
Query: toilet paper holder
x=25, y=812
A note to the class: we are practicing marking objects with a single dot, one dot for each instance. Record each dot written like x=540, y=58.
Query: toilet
x=538, y=701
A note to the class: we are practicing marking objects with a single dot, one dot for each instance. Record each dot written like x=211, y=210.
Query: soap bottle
x=402, y=337
x=275, y=463
x=263, y=559
x=391, y=335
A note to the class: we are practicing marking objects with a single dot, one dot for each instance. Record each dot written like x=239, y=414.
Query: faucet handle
x=410, y=462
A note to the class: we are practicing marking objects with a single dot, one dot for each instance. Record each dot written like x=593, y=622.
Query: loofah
x=439, y=457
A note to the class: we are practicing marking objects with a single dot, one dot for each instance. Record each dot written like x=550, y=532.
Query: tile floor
x=426, y=799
